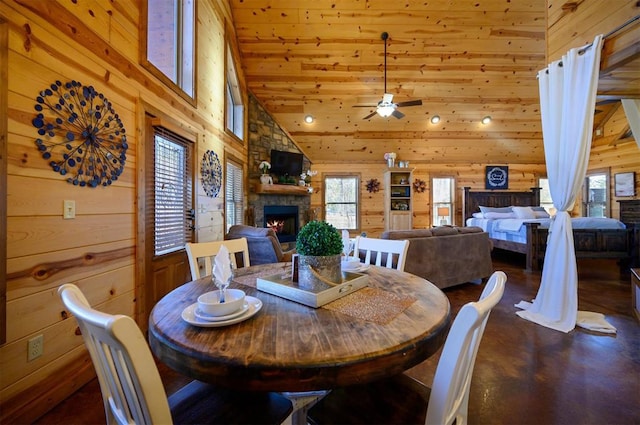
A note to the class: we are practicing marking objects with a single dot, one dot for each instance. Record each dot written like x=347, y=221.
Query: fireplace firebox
x=283, y=219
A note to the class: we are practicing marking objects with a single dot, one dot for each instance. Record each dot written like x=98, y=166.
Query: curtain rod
x=612, y=32
x=604, y=37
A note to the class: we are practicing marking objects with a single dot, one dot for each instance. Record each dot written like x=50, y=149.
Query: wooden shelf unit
x=398, y=204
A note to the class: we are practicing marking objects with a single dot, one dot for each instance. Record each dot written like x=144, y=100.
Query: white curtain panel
x=632, y=111
x=567, y=104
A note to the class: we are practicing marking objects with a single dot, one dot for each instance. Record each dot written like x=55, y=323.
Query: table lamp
x=443, y=212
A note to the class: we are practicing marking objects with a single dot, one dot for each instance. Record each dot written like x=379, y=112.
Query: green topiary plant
x=319, y=238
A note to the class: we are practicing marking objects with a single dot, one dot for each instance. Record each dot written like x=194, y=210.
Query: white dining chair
x=132, y=390
x=389, y=253
x=402, y=399
x=205, y=251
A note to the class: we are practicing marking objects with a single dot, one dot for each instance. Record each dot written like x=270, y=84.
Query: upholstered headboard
x=472, y=201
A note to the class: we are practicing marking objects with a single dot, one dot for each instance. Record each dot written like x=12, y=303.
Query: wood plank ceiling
x=463, y=59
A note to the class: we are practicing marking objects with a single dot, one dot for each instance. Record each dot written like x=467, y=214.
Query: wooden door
x=169, y=212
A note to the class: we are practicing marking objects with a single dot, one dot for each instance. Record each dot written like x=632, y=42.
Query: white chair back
x=449, y=398
x=394, y=251
x=131, y=387
x=207, y=250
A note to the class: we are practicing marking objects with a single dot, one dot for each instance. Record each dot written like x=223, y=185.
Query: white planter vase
x=266, y=179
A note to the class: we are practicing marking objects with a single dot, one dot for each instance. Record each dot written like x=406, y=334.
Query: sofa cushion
x=444, y=231
x=470, y=229
x=406, y=234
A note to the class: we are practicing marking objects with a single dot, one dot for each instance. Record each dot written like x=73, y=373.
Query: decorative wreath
x=82, y=136
x=211, y=174
x=419, y=186
x=373, y=186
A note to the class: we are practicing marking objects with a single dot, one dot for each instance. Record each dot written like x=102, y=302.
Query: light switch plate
x=69, y=209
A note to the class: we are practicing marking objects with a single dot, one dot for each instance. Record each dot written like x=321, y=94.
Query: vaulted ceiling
x=463, y=59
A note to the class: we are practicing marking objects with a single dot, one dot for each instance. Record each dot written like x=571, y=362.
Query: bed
x=607, y=239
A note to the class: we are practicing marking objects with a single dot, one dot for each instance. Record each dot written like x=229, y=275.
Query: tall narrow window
x=596, y=195
x=442, y=189
x=234, y=194
x=341, y=201
x=234, y=106
x=172, y=193
x=545, y=194
x=170, y=42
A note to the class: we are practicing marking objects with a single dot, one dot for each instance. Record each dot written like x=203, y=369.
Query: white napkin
x=222, y=265
x=346, y=242
x=594, y=322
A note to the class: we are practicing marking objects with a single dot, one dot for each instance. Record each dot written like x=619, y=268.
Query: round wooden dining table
x=290, y=347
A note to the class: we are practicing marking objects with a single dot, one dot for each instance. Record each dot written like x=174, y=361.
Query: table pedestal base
x=302, y=402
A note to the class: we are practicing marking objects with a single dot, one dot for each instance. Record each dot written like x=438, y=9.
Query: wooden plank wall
x=94, y=42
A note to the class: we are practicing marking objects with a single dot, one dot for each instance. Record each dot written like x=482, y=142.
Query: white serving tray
x=315, y=296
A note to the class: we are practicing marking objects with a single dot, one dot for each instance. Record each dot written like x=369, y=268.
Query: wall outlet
x=35, y=347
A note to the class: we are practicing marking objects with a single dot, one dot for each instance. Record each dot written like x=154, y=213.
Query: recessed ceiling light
x=435, y=119
x=486, y=120
x=308, y=119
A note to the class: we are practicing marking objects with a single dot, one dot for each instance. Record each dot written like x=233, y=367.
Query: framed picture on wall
x=625, y=184
x=496, y=177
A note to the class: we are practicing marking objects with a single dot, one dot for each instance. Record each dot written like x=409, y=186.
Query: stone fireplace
x=283, y=219
x=265, y=135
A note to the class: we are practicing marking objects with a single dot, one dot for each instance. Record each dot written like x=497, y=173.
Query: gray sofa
x=447, y=255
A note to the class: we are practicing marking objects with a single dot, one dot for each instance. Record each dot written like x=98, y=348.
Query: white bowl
x=209, y=302
x=350, y=263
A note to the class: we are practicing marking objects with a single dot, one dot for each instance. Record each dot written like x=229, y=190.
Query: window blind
x=172, y=188
x=234, y=207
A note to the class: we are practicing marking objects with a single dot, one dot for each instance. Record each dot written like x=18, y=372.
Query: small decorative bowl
x=350, y=263
x=209, y=302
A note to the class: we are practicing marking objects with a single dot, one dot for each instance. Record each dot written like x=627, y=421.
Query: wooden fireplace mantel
x=281, y=189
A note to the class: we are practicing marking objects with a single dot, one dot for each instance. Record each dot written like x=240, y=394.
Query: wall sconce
x=308, y=119
x=443, y=212
x=435, y=119
x=486, y=120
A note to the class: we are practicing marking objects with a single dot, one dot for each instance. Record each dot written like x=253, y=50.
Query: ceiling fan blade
x=370, y=115
x=364, y=106
x=387, y=98
x=397, y=114
x=410, y=103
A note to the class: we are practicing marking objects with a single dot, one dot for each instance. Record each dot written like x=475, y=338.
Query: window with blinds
x=172, y=193
x=233, y=194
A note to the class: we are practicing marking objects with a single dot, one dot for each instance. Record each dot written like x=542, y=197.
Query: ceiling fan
x=386, y=107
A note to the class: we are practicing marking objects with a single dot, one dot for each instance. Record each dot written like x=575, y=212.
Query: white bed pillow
x=478, y=215
x=495, y=215
x=541, y=214
x=486, y=210
x=524, y=212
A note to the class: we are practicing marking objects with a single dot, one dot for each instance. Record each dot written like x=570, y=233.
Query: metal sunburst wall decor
x=81, y=135
x=211, y=173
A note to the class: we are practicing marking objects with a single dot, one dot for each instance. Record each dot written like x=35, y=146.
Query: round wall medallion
x=211, y=173
x=80, y=134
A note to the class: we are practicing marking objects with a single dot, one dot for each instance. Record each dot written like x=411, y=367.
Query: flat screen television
x=286, y=163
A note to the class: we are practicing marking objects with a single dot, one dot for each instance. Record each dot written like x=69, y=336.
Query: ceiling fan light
x=385, y=110
x=486, y=120
x=308, y=119
x=435, y=119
